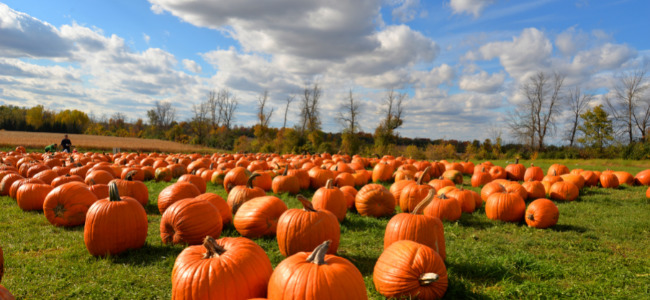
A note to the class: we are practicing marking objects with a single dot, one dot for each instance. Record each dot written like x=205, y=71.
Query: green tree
x=35, y=116
x=596, y=128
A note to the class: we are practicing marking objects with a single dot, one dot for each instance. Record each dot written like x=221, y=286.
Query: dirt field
x=38, y=140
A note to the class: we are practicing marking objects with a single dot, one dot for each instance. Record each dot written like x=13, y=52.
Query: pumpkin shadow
x=486, y=272
x=461, y=290
x=152, y=209
x=567, y=227
x=472, y=220
x=147, y=255
x=363, y=224
x=365, y=264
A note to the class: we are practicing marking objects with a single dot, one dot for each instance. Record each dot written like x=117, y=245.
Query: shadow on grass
x=147, y=255
x=486, y=272
x=566, y=228
x=461, y=290
x=476, y=222
x=152, y=209
x=365, y=264
x=359, y=223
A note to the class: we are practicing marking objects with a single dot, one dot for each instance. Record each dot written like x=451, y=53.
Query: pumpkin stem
x=306, y=204
x=443, y=196
x=214, y=249
x=286, y=171
x=318, y=255
x=329, y=183
x=424, y=202
x=113, y=192
x=249, y=182
x=92, y=181
x=530, y=217
x=426, y=170
x=516, y=160
x=428, y=278
x=130, y=174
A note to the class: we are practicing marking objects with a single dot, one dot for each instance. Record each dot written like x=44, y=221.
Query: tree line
x=617, y=127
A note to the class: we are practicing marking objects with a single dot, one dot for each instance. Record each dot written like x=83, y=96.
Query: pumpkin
x=417, y=227
x=20, y=182
x=465, y=198
x=229, y=268
x=176, y=192
x=318, y=177
x=98, y=176
x=63, y=179
x=349, y=193
x=190, y=221
x=542, y=213
x=67, y=204
x=285, y=183
x=100, y=190
x=624, y=178
x=498, y=172
x=576, y=179
x=439, y=183
x=563, y=190
x=31, y=196
x=382, y=172
x=163, y=174
x=480, y=178
x=115, y=224
x=412, y=194
x=47, y=176
x=259, y=216
x=242, y=193
x=220, y=204
x=374, y=200
x=304, y=229
x=316, y=275
x=7, y=181
x=444, y=207
x=303, y=177
x=642, y=178
x=344, y=179
x=504, y=206
x=134, y=189
x=264, y=180
x=591, y=179
x=332, y=199
x=558, y=169
x=516, y=171
x=454, y=175
x=535, y=189
x=398, y=186
x=533, y=173
x=609, y=180
x=5, y=294
x=236, y=176
x=195, y=180
x=407, y=269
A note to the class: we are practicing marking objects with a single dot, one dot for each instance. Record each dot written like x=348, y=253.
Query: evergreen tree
x=596, y=128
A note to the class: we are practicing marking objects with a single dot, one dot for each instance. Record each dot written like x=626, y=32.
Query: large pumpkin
x=542, y=213
x=115, y=224
x=642, y=178
x=533, y=173
x=374, y=200
x=516, y=171
x=407, y=269
x=236, y=176
x=304, y=229
x=175, y=192
x=31, y=196
x=417, y=227
x=67, y=204
x=195, y=180
x=190, y=221
x=504, y=206
x=285, y=183
x=229, y=268
x=564, y=191
x=259, y=216
x=315, y=275
x=382, y=172
x=220, y=204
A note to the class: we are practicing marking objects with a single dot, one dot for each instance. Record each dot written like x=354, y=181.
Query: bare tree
x=310, y=110
x=394, y=109
x=290, y=99
x=230, y=104
x=200, y=120
x=348, y=114
x=263, y=115
x=162, y=115
x=630, y=105
x=535, y=118
x=578, y=102
x=215, y=106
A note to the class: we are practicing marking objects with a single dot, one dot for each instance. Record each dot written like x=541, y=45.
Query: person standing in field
x=66, y=144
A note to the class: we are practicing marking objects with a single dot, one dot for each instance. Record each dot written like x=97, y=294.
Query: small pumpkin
x=190, y=221
x=504, y=206
x=195, y=180
x=332, y=199
x=285, y=183
x=132, y=188
x=242, y=193
x=563, y=190
x=444, y=207
x=533, y=173
x=176, y=192
x=542, y=213
x=412, y=194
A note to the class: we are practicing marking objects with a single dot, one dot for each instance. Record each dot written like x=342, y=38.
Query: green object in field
x=51, y=148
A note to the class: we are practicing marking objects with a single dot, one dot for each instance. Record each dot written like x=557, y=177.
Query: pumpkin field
x=242, y=226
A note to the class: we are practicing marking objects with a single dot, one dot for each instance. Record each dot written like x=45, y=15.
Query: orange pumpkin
x=285, y=183
x=609, y=180
x=189, y=221
x=195, y=180
x=31, y=196
x=332, y=199
x=259, y=216
x=242, y=193
x=374, y=200
x=220, y=204
x=412, y=194
x=176, y=192
x=533, y=173
x=67, y=204
x=444, y=207
x=542, y=213
x=507, y=207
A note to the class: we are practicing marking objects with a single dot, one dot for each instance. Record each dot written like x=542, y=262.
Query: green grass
x=600, y=248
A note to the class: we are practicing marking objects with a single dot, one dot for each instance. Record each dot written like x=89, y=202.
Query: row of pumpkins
x=67, y=188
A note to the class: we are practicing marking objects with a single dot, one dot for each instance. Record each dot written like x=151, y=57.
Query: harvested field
x=38, y=140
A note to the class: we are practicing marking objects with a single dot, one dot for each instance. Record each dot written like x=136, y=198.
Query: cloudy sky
x=461, y=62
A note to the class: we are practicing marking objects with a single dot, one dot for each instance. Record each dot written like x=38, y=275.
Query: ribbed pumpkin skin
x=412, y=195
x=13, y=190
x=507, y=207
x=285, y=184
x=7, y=181
x=113, y=227
x=445, y=208
x=236, y=176
x=175, y=192
x=65, y=179
x=195, y=180
x=32, y=195
x=67, y=204
x=220, y=204
x=535, y=189
x=98, y=177
x=562, y=190
x=624, y=178
x=242, y=272
x=382, y=172
x=190, y=221
x=295, y=278
x=642, y=178
x=332, y=199
x=398, y=187
x=465, y=198
x=349, y=193
x=134, y=189
x=423, y=229
x=542, y=213
x=609, y=180
x=515, y=172
x=259, y=216
x=374, y=200
x=303, y=177
x=242, y=193
x=533, y=173
x=301, y=230
x=399, y=267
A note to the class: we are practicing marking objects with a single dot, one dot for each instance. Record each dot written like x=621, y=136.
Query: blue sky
x=460, y=61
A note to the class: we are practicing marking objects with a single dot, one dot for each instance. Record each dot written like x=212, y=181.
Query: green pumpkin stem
x=286, y=171
x=424, y=202
x=428, y=278
x=318, y=255
x=130, y=174
x=306, y=204
x=249, y=182
x=113, y=192
x=426, y=170
x=213, y=249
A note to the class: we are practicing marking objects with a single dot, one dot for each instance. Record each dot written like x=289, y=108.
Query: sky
x=460, y=62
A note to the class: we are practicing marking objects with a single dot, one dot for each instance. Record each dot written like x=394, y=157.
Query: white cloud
x=482, y=82
x=146, y=38
x=191, y=66
x=571, y=41
x=406, y=10
x=474, y=7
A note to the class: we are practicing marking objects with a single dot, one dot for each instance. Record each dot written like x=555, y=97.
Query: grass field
x=83, y=142
x=600, y=248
